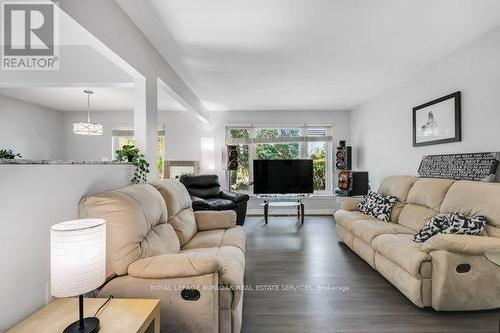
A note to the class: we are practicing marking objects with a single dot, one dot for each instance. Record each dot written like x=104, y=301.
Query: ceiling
x=80, y=65
x=74, y=99
x=305, y=54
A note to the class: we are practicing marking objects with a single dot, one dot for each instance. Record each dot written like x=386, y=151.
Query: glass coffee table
x=283, y=202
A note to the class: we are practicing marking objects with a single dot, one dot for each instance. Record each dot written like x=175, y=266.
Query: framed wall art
x=438, y=121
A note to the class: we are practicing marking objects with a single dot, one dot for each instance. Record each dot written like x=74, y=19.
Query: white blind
x=130, y=132
x=285, y=139
x=316, y=131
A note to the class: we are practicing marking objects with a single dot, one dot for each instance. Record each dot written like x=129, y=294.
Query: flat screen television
x=283, y=176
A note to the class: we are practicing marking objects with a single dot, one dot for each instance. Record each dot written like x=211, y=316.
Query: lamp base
x=90, y=325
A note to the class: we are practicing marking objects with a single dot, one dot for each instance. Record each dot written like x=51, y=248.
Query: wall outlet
x=48, y=296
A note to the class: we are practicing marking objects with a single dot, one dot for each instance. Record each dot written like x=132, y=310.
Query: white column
x=146, y=120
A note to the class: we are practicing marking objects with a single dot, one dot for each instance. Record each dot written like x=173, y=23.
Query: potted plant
x=131, y=154
x=8, y=154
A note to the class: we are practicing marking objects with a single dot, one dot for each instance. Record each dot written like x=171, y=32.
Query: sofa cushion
x=234, y=237
x=403, y=251
x=429, y=192
x=418, y=290
x=344, y=235
x=415, y=216
x=217, y=238
x=180, y=212
x=368, y=230
x=177, y=265
x=136, y=225
x=211, y=219
x=364, y=250
x=350, y=203
x=377, y=205
x=396, y=210
x=397, y=186
x=174, y=194
x=475, y=198
x=205, y=239
x=347, y=218
x=424, y=201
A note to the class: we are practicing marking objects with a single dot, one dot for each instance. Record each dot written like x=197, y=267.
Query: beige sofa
x=447, y=272
x=157, y=247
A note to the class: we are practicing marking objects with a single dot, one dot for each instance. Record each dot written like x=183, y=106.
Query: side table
x=118, y=316
x=493, y=255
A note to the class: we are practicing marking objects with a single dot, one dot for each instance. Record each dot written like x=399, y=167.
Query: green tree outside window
x=317, y=151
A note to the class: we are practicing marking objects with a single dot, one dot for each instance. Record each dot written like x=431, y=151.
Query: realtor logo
x=30, y=36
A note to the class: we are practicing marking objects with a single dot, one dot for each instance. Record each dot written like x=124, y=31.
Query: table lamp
x=78, y=264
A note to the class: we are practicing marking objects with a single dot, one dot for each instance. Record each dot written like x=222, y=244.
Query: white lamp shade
x=86, y=128
x=207, y=156
x=77, y=257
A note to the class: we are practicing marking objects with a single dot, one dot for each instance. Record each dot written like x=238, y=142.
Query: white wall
x=183, y=133
x=381, y=130
x=183, y=130
x=34, y=197
x=31, y=130
x=93, y=148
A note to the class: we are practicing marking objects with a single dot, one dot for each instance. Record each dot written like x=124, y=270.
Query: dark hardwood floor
x=288, y=255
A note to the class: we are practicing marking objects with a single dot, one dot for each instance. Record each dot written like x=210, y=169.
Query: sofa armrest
x=464, y=244
x=175, y=266
x=233, y=196
x=211, y=219
x=350, y=203
x=199, y=203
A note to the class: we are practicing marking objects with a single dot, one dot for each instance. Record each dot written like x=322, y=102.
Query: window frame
x=252, y=151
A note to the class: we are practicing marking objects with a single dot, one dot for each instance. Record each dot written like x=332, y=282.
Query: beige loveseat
x=447, y=272
x=157, y=247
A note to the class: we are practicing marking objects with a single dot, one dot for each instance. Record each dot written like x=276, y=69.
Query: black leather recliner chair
x=206, y=194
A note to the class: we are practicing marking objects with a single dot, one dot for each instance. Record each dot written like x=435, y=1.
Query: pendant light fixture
x=88, y=128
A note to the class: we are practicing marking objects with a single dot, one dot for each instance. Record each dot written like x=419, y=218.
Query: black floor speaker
x=343, y=157
x=359, y=183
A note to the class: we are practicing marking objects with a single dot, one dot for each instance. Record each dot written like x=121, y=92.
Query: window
x=281, y=143
x=240, y=178
x=318, y=151
x=122, y=137
x=277, y=151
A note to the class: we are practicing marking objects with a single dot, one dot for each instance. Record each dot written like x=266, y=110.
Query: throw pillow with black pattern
x=362, y=205
x=456, y=224
x=459, y=224
x=431, y=228
x=377, y=205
